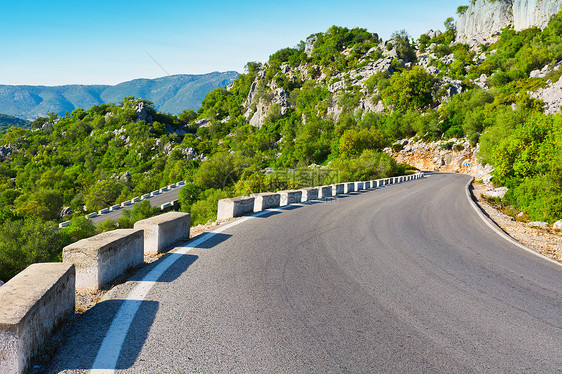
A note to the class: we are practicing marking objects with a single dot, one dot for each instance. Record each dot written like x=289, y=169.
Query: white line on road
x=110, y=349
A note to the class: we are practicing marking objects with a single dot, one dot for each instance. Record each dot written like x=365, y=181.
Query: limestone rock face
x=485, y=18
x=529, y=13
x=443, y=156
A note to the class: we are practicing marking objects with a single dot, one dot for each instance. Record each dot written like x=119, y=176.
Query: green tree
x=103, y=194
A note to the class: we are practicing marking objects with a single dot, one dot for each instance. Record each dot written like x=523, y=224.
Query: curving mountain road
x=406, y=278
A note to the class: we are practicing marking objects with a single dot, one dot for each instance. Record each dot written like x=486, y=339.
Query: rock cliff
x=484, y=19
x=454, y=155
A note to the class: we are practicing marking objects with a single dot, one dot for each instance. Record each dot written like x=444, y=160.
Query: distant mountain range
x=171, y=94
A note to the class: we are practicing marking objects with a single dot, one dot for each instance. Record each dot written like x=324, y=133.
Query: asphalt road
x=405, y=278
x=158, y=200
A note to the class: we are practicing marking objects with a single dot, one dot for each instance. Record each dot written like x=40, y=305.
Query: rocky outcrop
x=454, y=155
x=484, y=19
x=5, y=151
x=309, y=46
x=552, y=97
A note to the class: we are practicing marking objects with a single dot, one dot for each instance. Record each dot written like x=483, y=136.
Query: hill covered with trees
x=316, y=113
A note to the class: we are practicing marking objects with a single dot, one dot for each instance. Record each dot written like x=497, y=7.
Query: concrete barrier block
x=154, y=193
x=104, y=257
x=325, y=191
x=338, y=189
x=171, y=186
x=266, y=200
x=32, y=305
x=309, y=194
x=145, y=196
x=64, y=224
x=235, y=207
x=290, y=197
x=114, y=208
x=164, y=231
x=348, y=187
x=125, y=203
x=103, y=211
x=359, y=186
x=165, y=206
x=181, y=183
x=135, y=200
x=91, y=215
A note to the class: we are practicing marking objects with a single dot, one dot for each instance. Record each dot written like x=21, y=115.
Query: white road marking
x=500, y=232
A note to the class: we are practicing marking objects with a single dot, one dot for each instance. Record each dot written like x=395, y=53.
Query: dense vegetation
x=315, y=129
x=7, y=121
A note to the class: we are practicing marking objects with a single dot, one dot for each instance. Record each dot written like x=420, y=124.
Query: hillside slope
x=170, y=94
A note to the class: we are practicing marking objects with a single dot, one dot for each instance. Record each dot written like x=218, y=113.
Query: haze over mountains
x=171, y=94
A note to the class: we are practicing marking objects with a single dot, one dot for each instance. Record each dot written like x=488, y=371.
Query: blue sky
x=106, y=42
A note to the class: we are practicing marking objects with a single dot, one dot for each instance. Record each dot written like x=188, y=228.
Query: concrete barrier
x=103, y=211
x=235, y=207
x=338, y=189
x=114, y=208
x=91, y=215
x=359, y=186
x=125, y=203
x=145, y=196
x=165, y=206
x=163, y=189
x=324, y=192
x=64, y=224
x=309, y=194
x=367, y=185
x=32, y=305
x=171, y=186
x=163, y=231
x=135, y=199
x=348, y=187
x=290, y=197
x=154, y=193
x=266, y=200
x=181, y=183
x=104, y=257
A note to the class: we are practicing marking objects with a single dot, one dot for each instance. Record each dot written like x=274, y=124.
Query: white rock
x=496, y=192
x=557, y=225
x=542, y=225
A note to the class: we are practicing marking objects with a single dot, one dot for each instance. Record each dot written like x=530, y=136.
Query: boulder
x=496, y=192
x=66, y=211
x=539, y=224
x=557, y=225
x=433, y=33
